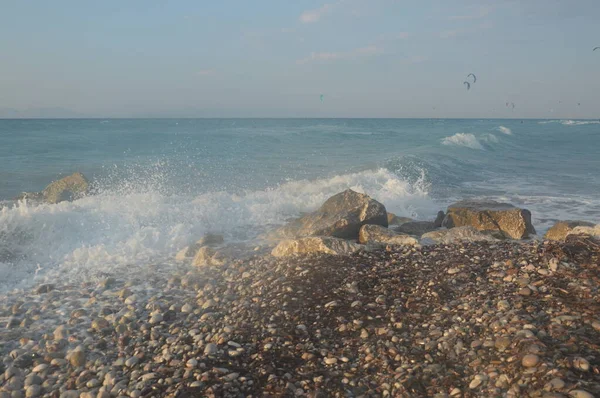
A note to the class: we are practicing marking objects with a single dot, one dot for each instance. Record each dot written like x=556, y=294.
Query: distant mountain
x=39, y=113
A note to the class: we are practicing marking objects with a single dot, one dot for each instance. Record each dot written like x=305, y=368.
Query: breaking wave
x=120, y=231
x=463, y=139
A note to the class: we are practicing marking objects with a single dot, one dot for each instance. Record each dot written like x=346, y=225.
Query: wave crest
x=505, y=130
x=467, y=140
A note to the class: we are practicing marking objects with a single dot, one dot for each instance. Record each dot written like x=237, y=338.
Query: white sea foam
x=505, y=130
x=463, y=139
x=126, y=231
x=569, y=122
x=490, y=138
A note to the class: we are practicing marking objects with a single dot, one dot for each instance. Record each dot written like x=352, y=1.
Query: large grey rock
x=415, y=228
x=315, y=244
x=490, y=216
x=561, y=229
x=460, y=234
x=341, y=216
x=378, y=235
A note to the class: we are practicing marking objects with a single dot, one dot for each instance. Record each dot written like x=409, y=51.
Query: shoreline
x=461, y=319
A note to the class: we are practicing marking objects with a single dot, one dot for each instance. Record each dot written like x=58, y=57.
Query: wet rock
x=77, y=358
x=211, y=349
x=378, y=235
x=561, y=229
x=45, y=288
x=490, y=215
x=314, y=245
x=68, y=188
x=341, y=216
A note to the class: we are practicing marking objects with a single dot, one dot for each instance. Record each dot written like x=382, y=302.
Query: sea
x=160, y=184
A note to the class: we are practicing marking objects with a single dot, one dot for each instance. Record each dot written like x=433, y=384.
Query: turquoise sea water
x=160, y=183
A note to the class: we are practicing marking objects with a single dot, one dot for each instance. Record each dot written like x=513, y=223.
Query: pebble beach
x=483, y=319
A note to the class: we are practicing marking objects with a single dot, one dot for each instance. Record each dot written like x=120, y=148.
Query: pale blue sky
x=274, y=58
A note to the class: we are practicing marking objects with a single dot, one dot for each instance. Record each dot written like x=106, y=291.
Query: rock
x=581, y=364
x=439, y=219
x=68, y=188
x=341, y=216
x=416, y=228
x=586, y=230
x=206, y=256
x=458, y=234
x=211, y=349
x=131, y=362
x=44, y=288
x=395, y=220
x=191, y=251
x=33, y=391
x=376, y=234
x=77, y=358
x=211, y=240
x=530, y=360
x=580, y=394
x=315, y=244
x=490, y=215
x=561, y=229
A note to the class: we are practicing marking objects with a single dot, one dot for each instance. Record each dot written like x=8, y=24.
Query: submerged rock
x=490, y=215
x=316, y=244
x=376, y=234
x=561, y=229
x=341, y=216
x=459, y=234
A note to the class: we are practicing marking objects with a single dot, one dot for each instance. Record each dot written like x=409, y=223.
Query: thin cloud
x=368, y=51
x=312, y=16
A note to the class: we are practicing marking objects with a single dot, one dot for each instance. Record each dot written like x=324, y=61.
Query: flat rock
x=396, y=220
x=490, y=215
x=415, y=228
x=317, y=244
x=341, y=216
x=378, y=235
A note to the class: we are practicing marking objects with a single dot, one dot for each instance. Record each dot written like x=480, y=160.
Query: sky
x=274, y=58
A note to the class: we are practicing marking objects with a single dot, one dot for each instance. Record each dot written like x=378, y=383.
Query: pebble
x=330, y=361
x=77, y=358
x=580, y=394
x=581, y=364
x=33, y=391
x=157, y=318
x=530, y=360
x=211, y=349
x=131, y=362
x=453, y=271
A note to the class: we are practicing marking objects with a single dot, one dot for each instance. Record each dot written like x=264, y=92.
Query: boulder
x=589, y=230
x=561, y=229
x=416, y=228
x=341, y=216
x=460, y=234
x=211, y=240
x=68, y=188
x=439, y=220
x=395, y=220
x=490, y=216
x=378, y=235
x=315, y=244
